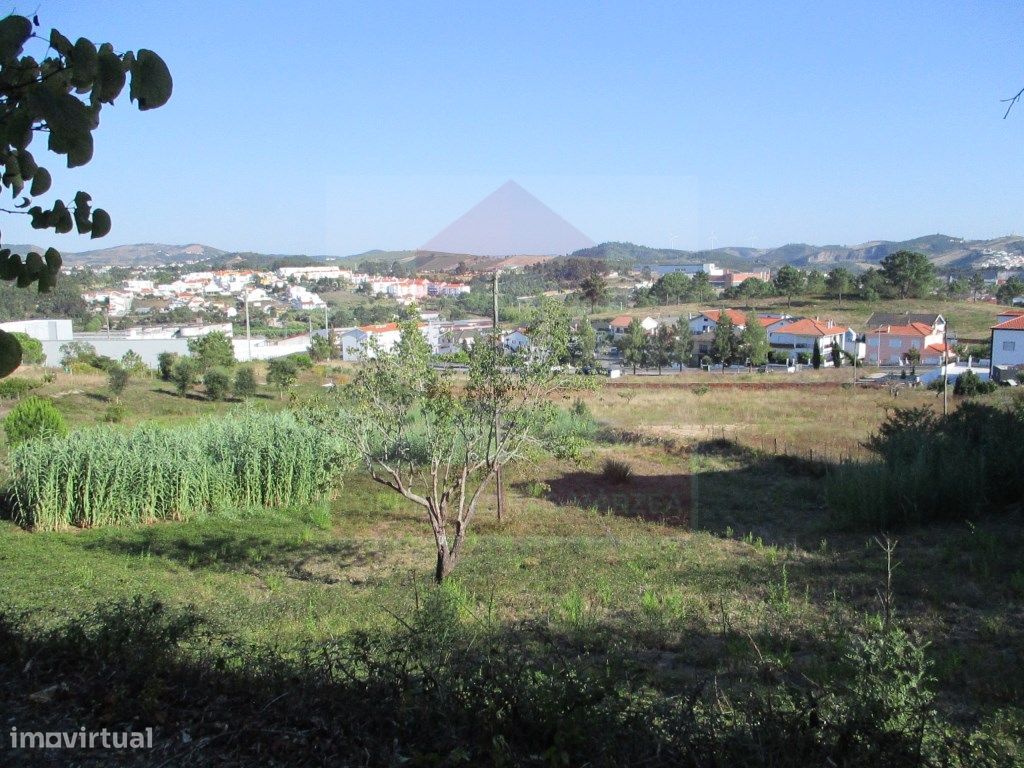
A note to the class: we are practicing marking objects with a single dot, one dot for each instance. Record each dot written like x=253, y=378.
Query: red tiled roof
x=379, y=328
x=621, y=321
x=766, y=321
x=1013, y=324
x=1011, y=312
x=914, y=329
x=809, y=327
x=939, y=348
x=737, y=317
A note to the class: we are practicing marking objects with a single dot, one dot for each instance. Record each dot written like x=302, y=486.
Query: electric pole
x=248, y=335
x=945, y=373
x=499, y=486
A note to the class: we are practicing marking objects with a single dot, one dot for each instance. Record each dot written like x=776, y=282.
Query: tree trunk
x=445, y=564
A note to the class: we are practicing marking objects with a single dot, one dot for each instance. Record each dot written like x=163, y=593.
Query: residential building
x=707, y=321
x=1007, y=344
x=890, y=344
x=801, y=336
x=367, y=340
x=936, y=321
x=619, y=325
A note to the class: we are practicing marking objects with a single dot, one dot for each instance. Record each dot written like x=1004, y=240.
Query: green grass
x=715, y=556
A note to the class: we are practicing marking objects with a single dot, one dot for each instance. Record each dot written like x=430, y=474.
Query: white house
x=800, y=336
x=619, y=325
x=707, y=321
x=891, y=344
x=367, y=340
x=1008, y=343
x=515, y=340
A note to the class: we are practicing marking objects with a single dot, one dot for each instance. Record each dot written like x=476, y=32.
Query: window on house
x=1009, y=346
x=895, y=343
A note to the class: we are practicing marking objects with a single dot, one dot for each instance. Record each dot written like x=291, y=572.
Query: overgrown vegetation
x=108, y=476
x=934, y=468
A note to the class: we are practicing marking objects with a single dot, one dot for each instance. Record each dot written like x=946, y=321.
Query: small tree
x=724, y=344
x=631, y=346
x=165, y=364
x=438, y=442
x=682, y=345
x=32, y=418
x=789, y=281
x=217, y=382
x=212, y=350
x=754, y=341
x=117, y=379
x=836, y=353
x=658, y=346
x=913, y=358
x=912, y=274
x=320, y=349
x=594, y=289
x=245, y=382
x=183, y=374
x=816, y=355
x=839, y=281
x=132, y=362
x=281, y=373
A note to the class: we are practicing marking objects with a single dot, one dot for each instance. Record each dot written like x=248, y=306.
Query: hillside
x=944, y=251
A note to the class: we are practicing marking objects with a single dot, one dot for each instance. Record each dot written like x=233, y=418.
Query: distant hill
x=944, y=251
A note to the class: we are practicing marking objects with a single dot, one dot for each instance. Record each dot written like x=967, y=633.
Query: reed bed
x=107, y=476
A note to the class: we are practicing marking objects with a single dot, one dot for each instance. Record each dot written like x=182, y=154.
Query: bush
x=245, y=382
x=616, y=471
x=302, y=361
x=31, y=349
x=103, y=476
x=183, y=374
x=34, y=417
x=933, y=468
x=165, y=364
x=117, y=379
x=115, y=413
x=968, y=385
x=12, y=389
x=217, y=382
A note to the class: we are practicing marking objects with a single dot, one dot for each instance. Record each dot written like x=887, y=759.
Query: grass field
x=717, y=558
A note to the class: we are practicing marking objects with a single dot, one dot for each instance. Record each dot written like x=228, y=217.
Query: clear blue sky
x=337, y=127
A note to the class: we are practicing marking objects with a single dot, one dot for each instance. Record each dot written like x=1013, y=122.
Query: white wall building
x=1008, y=343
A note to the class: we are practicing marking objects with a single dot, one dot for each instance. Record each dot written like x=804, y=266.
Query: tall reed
x=109, y=476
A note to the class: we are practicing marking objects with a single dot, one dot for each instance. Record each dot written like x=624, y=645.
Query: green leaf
x=34, y=264
x=100, y=223
x=14, y=31
x=82, y=213
x=10, y=265
x=53, y=259
x=27, y=163
x=83, y=61
x=19, y=128
x=62, y=221
x=151, y=80
x=70, y=123
x=110, y=75
x=47, y=281
x=59, y=43
x=10, y=353
x=40, y=182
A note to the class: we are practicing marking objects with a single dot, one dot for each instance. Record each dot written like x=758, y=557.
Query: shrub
x=701, y=389
x=302, y=361
x=212, y=350
x=281, y=372
x=12, y=389
x=33, y=417
x=117, y=379
x=31, y=349
x=103, y=476
x=245, y=382
x=932, y=468
x=183, y=374
x=616, y=471
x=165, y=364
x=217, y=382
x=968, y=385
x=115, y=413
x=132, y=362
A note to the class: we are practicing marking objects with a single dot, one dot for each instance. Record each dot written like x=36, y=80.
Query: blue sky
x=336, y=127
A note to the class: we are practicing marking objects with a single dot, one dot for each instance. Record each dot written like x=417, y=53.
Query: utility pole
x=248, y=335
x=945, y=373
x=500, y=488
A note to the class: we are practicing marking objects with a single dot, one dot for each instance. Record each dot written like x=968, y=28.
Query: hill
x=946, y=252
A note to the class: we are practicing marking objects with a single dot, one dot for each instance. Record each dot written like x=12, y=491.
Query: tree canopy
x=911, y=274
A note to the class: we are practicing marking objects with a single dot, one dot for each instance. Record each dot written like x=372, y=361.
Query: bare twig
x=1013, y=100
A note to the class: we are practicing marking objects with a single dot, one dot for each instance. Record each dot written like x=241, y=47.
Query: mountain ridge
x=945, y=251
